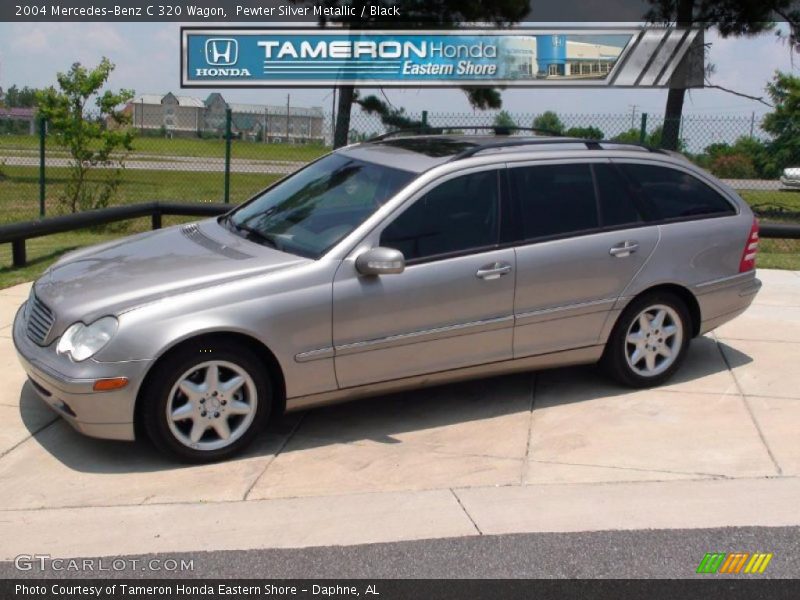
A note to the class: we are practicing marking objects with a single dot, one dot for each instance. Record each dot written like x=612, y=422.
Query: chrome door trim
x=317, y=354
x=563, y=312
x=426, y=335
x=708, y=286
x=576, y=356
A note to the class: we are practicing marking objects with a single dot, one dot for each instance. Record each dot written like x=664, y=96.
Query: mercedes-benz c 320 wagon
x=400, y=262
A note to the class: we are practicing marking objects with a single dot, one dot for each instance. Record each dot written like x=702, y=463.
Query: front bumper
x=67, y=387
x=792, y=182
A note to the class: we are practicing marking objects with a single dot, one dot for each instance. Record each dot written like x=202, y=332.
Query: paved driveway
x=558, y=450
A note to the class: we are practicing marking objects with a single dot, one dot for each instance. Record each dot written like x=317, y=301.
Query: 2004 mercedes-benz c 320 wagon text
x=403, y=261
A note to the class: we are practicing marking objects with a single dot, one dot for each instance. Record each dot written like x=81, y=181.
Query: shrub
x=586, y=133
x=733, y=166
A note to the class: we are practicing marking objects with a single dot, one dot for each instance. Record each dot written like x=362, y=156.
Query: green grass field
x=19, y=189
x=19, y=200
x=183, y=147
x=776, y=205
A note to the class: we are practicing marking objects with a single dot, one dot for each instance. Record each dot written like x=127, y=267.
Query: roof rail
x=590, y=145
x=497, y=129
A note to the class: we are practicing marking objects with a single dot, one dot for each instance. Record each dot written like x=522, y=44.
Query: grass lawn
x=19, y=200
x=189, y=147
x=776, y=205
x=19, y=188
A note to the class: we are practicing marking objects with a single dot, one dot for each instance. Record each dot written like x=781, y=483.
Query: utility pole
x=288, y=116
x=633, y=114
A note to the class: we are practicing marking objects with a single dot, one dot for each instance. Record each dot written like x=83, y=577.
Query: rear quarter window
x=672, y=194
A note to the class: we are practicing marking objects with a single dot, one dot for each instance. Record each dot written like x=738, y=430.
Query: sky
x=146, y=55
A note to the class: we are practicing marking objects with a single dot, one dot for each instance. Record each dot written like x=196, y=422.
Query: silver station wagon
x=401, y=262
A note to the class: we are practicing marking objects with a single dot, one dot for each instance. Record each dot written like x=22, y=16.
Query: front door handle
x=624, y=249
x=493, y=271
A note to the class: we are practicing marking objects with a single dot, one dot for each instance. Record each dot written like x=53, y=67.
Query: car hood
x=123, y=274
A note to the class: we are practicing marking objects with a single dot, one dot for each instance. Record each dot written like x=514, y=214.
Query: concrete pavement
x=556, y=451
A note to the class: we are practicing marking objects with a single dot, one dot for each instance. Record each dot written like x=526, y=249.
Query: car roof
x=420, y=153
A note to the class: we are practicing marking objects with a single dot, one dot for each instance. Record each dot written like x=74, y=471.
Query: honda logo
x=222, y=51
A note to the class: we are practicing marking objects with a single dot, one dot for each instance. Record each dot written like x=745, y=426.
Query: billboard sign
x=244, y=57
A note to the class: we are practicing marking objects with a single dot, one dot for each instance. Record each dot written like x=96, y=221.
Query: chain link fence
x=240, y=149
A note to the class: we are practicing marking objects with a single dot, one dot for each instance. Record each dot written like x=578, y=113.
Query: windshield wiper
x=252, y=231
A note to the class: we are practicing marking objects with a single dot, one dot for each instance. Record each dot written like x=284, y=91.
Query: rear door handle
x=493, y=271
x=624, y=249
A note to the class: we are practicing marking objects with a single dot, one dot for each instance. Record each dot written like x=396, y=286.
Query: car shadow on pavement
x=384, y=419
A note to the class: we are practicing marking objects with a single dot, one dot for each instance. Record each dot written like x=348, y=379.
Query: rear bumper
x=67, y=387
x=725, y=299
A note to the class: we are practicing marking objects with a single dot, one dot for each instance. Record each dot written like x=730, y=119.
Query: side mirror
x=381, y=261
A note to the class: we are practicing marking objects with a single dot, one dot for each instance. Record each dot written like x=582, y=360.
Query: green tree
x=783, y=123
x=15, y=97
x=504, y=119
x=654, y=139
x=745, y=155
x=729, y=18
x=392, y=117
x=548, y=122
x=418, y=14
x=586, y=133
x=92, y=141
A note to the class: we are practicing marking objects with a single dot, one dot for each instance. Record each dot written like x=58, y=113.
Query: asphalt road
x=608, y=554
x=175, y=163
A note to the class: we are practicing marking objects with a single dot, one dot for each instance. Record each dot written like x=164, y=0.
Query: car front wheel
x=649, y=341
x=207, y=403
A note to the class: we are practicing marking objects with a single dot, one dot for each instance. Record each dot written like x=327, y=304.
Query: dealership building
x=557, y=56
x=188, y=116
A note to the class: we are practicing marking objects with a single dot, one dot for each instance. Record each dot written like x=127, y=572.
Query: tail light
x=748, y=262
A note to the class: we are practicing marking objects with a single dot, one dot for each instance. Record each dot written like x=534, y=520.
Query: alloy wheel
x=211, y=405
x=654, y=340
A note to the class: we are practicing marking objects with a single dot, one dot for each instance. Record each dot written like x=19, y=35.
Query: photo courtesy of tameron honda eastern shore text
x=407, y=260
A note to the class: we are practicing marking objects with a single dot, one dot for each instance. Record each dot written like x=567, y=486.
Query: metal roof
x=295, y=111
x=159, y=99
x=236, y=107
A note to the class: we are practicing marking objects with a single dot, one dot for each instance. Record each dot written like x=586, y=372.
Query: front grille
x=40, y=320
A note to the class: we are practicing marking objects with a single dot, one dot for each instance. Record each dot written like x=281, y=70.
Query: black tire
x=166, y=373
x=615, y=361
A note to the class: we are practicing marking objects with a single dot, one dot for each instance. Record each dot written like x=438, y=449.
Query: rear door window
x=555, y=199
x=673, y=194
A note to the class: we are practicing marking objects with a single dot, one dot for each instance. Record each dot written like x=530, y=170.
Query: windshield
x=312, y=210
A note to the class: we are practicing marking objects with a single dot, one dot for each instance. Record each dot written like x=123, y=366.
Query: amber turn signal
x=105, y=385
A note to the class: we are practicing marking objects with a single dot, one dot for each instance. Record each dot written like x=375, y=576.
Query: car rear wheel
x=649, y=341
x=207, y=403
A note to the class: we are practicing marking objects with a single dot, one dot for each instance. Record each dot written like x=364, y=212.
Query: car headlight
x=84, y=341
